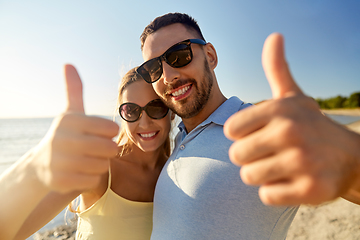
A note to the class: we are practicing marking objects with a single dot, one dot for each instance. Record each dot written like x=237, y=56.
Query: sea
x=17, y=136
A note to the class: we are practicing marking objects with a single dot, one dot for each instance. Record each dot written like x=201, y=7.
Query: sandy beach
x=339, y=219
x=346, y=112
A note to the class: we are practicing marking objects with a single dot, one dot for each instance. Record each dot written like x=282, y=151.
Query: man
x=199, y=194
x=289, y=147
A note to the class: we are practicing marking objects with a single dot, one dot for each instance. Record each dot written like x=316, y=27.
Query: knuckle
x=291, y=131
x=105, y=127
x=102, y=148
x=279, y=107
x=311, y=191
x=308, y=189
x=299, y=158
x=69, y=119
x=63, y=142
x=100, y=166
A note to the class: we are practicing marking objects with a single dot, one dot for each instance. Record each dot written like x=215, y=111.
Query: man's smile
x=180, y=92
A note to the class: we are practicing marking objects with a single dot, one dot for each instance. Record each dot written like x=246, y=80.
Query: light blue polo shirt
x=200, y=195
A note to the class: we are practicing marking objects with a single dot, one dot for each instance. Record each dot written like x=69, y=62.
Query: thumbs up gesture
x=76, y=150
x=288, y=147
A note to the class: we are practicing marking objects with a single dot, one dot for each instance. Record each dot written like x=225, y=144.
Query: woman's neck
x=147, y=160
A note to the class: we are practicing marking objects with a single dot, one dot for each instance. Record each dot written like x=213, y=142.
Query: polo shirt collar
x=221, y=114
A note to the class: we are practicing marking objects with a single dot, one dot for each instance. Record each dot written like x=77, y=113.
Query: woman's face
x=146, y=133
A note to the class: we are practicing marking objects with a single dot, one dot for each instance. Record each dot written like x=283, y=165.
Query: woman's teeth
x=147, y=135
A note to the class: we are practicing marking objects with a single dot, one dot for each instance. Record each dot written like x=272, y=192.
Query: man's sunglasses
x=131, y=112
x=179, y=55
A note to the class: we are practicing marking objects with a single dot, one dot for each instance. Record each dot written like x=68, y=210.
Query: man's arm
x=71, y=158
x=288, y=147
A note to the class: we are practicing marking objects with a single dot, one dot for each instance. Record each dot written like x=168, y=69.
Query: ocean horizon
x=19, y=135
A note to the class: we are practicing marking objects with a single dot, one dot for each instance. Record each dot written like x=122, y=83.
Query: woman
x=73, y=158
x=121, y=207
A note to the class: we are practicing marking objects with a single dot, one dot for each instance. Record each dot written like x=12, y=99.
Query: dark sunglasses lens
x=151, y=70
x=130, y=112
x=179, y=55
x=156, y=109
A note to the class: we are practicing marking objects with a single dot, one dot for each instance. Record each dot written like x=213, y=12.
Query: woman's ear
x=211, y=55
x=172, y=115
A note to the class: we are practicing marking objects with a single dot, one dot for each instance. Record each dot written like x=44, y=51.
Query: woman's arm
x=70, y=159
x=20, y=192
x=48, y=208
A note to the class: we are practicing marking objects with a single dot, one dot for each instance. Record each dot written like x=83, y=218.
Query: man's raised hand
x=287, y=146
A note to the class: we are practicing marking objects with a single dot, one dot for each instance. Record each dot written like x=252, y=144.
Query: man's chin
x=186, y=114
x=184, y=108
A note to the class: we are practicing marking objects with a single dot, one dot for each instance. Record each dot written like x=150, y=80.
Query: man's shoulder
x=231, y=106
x=236, y=103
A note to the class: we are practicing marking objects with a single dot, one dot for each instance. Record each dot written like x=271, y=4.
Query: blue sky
x=101, y=38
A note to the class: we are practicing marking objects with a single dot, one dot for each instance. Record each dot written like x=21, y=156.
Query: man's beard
x=189, y=108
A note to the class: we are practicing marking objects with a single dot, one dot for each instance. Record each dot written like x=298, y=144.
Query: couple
x=198, y=193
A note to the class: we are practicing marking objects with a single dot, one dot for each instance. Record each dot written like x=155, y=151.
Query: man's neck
x=210, y=107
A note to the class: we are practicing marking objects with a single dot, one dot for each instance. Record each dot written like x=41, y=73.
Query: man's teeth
x=147, y=135
x=180, y=91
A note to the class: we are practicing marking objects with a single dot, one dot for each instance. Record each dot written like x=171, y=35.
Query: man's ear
x=211, y=55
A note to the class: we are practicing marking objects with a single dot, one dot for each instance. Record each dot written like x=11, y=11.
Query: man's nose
x=169, y=73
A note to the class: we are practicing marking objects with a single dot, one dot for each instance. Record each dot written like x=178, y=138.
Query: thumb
x=73, y=89
x=276, y=69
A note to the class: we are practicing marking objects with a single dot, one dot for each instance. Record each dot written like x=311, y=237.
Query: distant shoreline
x=345, y=112
x=355, y=126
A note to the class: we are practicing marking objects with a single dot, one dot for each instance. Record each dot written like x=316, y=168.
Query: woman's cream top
x=114, y=217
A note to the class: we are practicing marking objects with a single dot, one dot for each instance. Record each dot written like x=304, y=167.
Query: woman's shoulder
x=91, y=196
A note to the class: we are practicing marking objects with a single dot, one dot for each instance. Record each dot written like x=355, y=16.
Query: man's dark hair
x=168, y=19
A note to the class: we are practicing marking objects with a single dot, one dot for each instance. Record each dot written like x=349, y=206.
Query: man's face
x=184, y=90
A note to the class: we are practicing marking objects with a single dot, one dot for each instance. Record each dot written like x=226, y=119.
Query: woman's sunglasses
x=131, y=112
x=179, y=55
